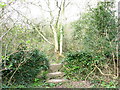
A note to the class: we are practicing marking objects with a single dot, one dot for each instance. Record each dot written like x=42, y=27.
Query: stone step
x=55, y=74
x=55, y=67
x=57, y=81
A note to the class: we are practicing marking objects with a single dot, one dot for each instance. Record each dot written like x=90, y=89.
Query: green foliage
x=105, y=20
x=104, y=84
x=78, y=64
x=108, y=85
x=104, y=16
x=98, y=22
x=2, y=5
x=97, y=30
x=27, y=65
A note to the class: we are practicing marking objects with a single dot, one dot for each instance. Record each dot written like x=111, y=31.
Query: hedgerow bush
x=78, y=64
x=24, y=66
x=97, y=34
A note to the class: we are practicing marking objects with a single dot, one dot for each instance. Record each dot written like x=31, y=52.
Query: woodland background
x=88, y=45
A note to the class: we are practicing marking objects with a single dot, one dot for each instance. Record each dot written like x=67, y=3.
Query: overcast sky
x=72, y=11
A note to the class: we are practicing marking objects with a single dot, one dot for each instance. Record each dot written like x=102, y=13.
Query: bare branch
x=4, y=34
x=33, y=25
x=43, y=36
x=102, y=72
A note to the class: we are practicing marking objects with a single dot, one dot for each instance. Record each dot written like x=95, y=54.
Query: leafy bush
x=78, y=64
x=96, y=31
x=24, y=66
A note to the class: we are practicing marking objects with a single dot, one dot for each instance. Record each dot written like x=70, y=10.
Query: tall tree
x=57, y=23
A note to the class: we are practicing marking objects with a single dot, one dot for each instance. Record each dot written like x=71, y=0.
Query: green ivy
x=78, y=64
x=32, y=62
x=96, y=30
x=2, y=4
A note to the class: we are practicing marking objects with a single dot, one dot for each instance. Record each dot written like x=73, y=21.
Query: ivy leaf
x=28, y=41
x=10, y=65
x=2, y=4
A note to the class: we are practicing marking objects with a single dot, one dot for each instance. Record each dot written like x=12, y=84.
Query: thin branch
x=20, y=64
x=43, y=36
x=34, y=27
x=4, y=34
x=58, y=15
x=67, y=4
x=102, y=72
x=16, y=71
x=90, y=73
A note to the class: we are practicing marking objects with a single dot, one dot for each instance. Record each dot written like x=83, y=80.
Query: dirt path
x=76, y=84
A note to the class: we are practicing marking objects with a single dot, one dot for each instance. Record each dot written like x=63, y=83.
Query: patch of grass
x=103, y=84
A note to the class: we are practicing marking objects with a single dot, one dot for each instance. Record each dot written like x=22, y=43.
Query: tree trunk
x=55, y=38
x=0, y=62
x=61, y=30
x=61, y=40
x=118, y=38
x=56, y=41
x=1, y=38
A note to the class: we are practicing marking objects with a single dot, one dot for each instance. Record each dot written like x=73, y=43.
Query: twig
x=90, y=73
x=43, y=36
x=14, y=73
x=102, y=72
x=34, y=27
x=3, y=69
x=17, y=52
x=4, y=34
x=21, y=63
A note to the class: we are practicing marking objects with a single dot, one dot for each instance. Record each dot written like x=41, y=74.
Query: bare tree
x=57, y=24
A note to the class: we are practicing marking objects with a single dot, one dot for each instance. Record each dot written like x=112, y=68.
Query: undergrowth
x=23, y=67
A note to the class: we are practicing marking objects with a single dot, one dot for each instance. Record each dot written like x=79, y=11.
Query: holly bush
x=24, y=66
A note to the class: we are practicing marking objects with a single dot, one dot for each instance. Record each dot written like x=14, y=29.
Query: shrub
x=78, y=64
x=96, y=31
x=24, y=66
